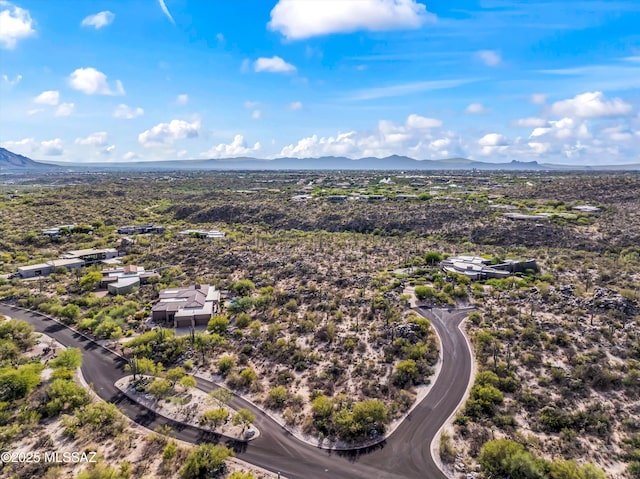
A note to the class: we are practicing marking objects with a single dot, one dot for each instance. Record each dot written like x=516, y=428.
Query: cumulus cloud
x=421, y=122
x=274, y=64
x=165, y=134
x=52, y=147
x=125, y=112
x=98, y=138
x=295, y=105
x=15, y=24
x=414, y=137
x=492, y=139
x=26, y=146
x=65, y=109
x=99, y=20
x=49, y=97
x=529, y=122
x=237, y=147
x=492, y=143
x=591, y=105
x=490, y=58
x=300, y=19
x=477, y=109
x=93, y=82
x=129, y=155
x=182, y=99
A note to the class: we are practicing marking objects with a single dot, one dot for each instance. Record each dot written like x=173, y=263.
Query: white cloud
x=295, y=105
x=98, y=138
x=165, y=134
x=165, y=10
x=251, y=104
x=493, y=143
x=490, y=58
x=49, y=97
x=182, y=99
x=93, y=82
x=129, y=155
x=220, y=38
x=618, y=133
x=107, y=150
x=492, y=139
x=52, y=147
x=237, y=147
x=256, y=114
x=530, y=122
x=591, y=105
x=538, y=98
x=413, y=137
x=15, y=24
x=274, y=64
x=125, y=112
x=477, y=109
x=299, y=19
x=421, y=122
x=26, y=146
x=99, y=20
x=65, y=109
x=11, y=83
x=34, y=111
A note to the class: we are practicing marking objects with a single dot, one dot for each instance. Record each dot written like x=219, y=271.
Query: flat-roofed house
x=45, y=269
x=125, y=279
x=92, y=255
x=192, y=306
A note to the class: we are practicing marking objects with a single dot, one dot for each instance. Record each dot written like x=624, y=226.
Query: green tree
x=215, y=417
x=432, y=257
x=277, y=397
x=68, y=359
x=226, y=364
x=64, y=395
x=322, y=407
x=205, y=461
x=16, y=383
x=218, y=324
x=406, y=372
x=188, y=382
x=90, y=280
x=424, y=292
x=241, y=475
x=159, y=388
x=71, y=311
x=505, y=458
x=174, y=375
x=248, y=376
x=243, y=287
x=243, y=418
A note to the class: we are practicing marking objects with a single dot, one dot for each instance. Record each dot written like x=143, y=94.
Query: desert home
x=192, y=306
x=478, y=268
x=72, y=260
x=125, y=279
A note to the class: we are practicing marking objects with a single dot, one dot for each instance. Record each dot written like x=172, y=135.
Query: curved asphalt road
x=404, y=455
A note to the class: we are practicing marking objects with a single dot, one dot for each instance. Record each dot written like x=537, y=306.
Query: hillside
x=14, y=161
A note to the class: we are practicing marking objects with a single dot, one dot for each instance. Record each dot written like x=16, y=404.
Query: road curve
x=404, y=455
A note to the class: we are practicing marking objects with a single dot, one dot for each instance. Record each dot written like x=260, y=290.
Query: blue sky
x=553, y=81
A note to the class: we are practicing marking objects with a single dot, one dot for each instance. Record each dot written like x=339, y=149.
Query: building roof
x=66, y=262
x=90, y=251
x=33, y=267
x=197, y=299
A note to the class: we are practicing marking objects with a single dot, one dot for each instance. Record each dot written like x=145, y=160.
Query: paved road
x=404, y=455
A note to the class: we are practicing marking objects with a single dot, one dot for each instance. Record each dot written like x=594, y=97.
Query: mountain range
x=13, y=163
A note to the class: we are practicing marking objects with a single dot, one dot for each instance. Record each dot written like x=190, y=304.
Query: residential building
x=192, y=306
x=92, y=255
x=45, y=269
x=140, y=229
x=203, y=233
x=478, y=268
x=124, y=280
